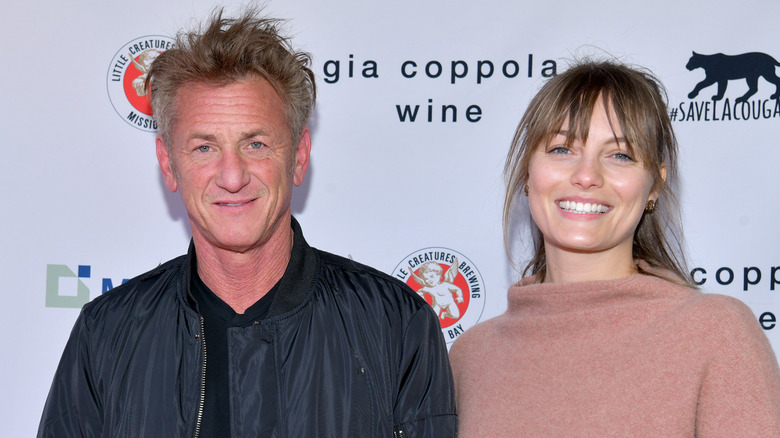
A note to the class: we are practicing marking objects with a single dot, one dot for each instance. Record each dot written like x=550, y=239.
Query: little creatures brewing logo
x=450, y=283
x=126, y=76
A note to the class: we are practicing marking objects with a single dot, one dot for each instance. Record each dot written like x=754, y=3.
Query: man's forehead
x=206, y=85
x=247, y=108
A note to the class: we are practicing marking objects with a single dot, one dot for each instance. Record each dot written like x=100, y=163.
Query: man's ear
x=302, y=154
x=164, y=158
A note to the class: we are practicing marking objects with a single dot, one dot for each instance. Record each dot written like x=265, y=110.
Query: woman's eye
x=559, y=150
x=623, y=156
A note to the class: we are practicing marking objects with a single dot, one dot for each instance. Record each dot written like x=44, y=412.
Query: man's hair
x=228, y=50
x=639, y=103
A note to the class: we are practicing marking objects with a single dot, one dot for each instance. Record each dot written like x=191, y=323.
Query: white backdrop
x=83, y=186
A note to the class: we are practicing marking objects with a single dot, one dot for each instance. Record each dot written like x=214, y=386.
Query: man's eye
x=203, y=148
x=256, y=145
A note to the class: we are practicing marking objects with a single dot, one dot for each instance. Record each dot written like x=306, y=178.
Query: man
x=252, y=333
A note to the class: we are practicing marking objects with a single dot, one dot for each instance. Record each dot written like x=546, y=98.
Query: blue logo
x=67, y=294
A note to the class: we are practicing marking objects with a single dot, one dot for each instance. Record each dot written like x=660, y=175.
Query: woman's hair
x=228, y=50
x=639, y=103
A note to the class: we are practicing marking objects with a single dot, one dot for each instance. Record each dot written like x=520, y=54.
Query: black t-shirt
x=218, y=317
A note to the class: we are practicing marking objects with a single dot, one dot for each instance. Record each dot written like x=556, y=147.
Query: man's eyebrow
x=203, y=136
x=212, y=137
x=255, y=133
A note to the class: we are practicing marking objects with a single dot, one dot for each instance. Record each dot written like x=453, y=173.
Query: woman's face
x=588, y=197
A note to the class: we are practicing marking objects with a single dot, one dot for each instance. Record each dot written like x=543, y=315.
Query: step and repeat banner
x=417, y=104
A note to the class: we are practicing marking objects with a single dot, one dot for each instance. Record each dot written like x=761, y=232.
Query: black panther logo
x=720, y=69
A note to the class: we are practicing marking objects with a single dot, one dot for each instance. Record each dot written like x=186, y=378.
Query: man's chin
x=236, y=244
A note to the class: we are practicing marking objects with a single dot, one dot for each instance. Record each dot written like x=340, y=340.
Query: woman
x=607, y=336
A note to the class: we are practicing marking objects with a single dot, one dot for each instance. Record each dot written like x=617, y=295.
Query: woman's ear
x=657, y=189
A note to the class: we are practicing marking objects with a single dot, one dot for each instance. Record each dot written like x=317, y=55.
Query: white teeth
x=582, y=208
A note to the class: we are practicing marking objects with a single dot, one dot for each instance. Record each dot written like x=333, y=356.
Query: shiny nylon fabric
x=343, y=364
x=125, y=370
x=344, y=351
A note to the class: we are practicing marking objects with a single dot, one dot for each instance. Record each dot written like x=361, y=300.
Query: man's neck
x=241, y=279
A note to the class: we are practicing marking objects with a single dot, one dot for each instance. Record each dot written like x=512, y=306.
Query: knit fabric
x=634, y=357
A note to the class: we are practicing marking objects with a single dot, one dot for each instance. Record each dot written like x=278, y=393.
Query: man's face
x=235, y=164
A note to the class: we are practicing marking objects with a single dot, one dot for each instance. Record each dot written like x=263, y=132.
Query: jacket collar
x=295, y=286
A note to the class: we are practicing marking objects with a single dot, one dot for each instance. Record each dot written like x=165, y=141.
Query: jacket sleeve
x=425, y=406
x=740, y=393
x=73, y=407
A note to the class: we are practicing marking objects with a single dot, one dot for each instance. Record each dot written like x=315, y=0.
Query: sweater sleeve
x=425, y=406
x=740, y=392
x=73, y=408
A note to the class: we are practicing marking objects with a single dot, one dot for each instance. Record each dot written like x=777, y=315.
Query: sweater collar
x=528, y=298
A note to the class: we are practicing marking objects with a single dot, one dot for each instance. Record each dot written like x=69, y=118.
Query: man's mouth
x=233, y=204
x=582, y=207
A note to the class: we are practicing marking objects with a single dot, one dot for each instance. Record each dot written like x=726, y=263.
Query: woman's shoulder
x=694, y=301
x=721, y=311
x=719, y=325
x=477, y=337
x=696, y=305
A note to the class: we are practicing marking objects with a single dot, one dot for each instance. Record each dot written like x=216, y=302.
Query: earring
x=525, y=190
x=650, y=206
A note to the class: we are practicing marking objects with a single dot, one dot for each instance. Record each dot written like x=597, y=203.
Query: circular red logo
x=127, y=76
x=450, y=283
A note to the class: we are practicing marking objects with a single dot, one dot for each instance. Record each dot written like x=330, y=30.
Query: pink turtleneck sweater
x=633, y=357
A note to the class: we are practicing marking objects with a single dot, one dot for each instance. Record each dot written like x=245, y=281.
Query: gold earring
x=525, y=189
x=650, y=206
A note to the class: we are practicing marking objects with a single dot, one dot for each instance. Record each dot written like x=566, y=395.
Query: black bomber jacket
x=345, y=351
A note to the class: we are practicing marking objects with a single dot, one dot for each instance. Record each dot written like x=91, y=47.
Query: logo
x=719, y=69
x=126, y=76
x=53, y=275
x=450, y=283
x=65, y=288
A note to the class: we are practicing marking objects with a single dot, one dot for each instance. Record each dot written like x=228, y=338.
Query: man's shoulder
x=139, y=290
x=349, y=266
x=347, y=271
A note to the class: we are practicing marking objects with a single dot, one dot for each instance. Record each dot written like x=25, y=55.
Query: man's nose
x=233, y=173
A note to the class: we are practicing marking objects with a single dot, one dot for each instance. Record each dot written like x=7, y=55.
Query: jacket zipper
x=202, y=382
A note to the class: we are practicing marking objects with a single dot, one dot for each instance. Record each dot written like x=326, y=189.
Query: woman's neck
x=565, y=266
